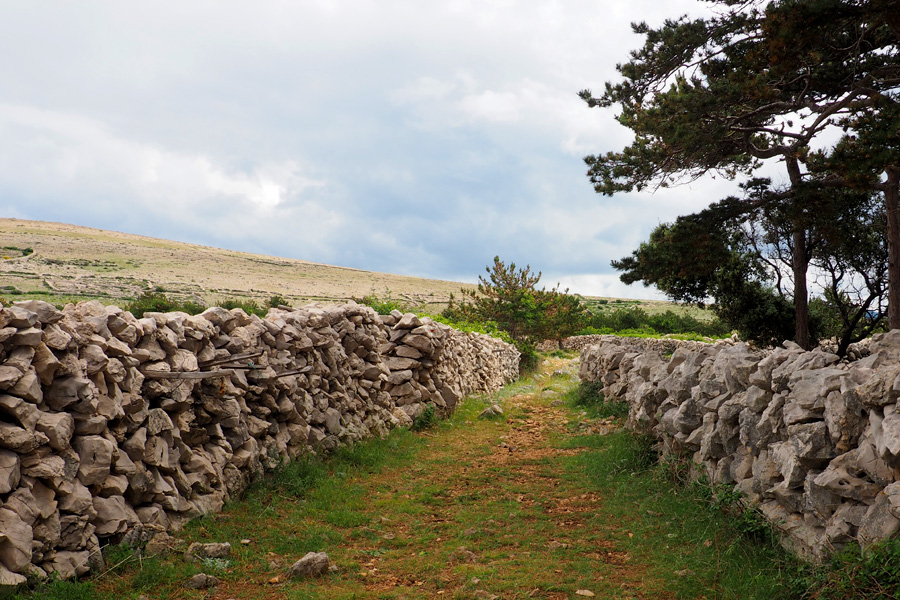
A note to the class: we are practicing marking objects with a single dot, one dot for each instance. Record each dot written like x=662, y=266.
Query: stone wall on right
x=810, y=440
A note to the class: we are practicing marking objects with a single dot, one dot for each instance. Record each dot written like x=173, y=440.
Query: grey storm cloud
x=406, y=137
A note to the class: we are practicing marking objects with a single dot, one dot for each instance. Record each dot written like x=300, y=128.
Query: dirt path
x=488, y=511
x=472, y=509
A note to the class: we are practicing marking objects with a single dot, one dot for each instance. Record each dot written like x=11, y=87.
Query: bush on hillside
x=669, y=322
x=159, y=302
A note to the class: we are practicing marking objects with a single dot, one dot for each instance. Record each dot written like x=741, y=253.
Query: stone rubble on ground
x=202, y=581
x=313, y=564
x=116, y=428
x=494, y=410
x=810, y=440
x=198, y=551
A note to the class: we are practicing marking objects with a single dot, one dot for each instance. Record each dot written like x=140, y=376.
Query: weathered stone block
x=95, y=454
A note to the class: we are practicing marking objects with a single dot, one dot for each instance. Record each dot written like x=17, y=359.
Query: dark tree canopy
x=759, y=81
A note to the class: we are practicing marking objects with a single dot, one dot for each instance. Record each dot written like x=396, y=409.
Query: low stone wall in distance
x=812, y=441
x=662, y=345
x=113, y=426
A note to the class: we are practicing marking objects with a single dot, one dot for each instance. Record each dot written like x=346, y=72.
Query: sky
x=410, y=137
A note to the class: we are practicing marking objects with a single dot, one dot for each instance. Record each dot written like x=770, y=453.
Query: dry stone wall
x=114, y=427
x=661, y=345
x=812, y=441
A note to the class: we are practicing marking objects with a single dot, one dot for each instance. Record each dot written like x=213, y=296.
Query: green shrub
x=158, y=302
x=591, y=330
x=277, y=300
x=484, y=327
x=251, y=307
x=590, y=395
x=383, y=306
x=529, y=358
x=625, y=453
x=749, y=521
x=295, y=478
x=426, y=420
x=509, y=297
x=637, y=323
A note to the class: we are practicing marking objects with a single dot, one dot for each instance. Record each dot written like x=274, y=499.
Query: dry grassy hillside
x=72, y=262
x=66, y=263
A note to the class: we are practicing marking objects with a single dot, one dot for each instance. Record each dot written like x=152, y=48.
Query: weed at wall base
x=426, y=420
x=590, y=395
x=853, y=573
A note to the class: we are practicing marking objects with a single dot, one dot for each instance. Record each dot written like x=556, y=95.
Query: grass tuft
x=589, y=395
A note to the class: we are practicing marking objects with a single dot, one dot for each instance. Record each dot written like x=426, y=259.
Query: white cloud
x=491, y=106
x=607, y=286
x=382, y=134
x=67, y=150
x=56, y=158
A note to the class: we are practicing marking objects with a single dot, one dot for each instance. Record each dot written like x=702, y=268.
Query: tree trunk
x=800, y=262
x=801, y=297
x=893, y=241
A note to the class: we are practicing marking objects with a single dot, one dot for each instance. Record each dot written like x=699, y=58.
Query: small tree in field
x=509, y=298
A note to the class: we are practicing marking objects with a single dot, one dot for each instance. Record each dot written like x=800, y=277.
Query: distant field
x=66, y=263
x=651, y=307
x=69, y=262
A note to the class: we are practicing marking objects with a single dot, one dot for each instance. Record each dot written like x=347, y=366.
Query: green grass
x=851, y=574
x=681, y=535
x=589, y=396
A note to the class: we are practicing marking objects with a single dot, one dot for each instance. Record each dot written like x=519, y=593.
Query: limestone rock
x=9, y=581
x=202, y=581
x=44, y=312
x=45, y=364
x=879, y=522
x=67, y=564
x=15, y=541
x=95, y=455
x=19, y=439
x=161, y=543
x=28, y=337
x=58, y=427
x=25, y=413
x=28, y=387
x=408, y=321
x=198, y=551
x=44, y=467
x=9, y=471
x=492, y=411
x=114, y=516
x=67, y=391
x=313, y=564
x=9, y=376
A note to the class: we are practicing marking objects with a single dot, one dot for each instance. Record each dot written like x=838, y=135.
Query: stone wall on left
x=116, y=427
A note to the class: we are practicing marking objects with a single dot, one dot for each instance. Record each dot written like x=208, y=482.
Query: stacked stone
x=812, y=441
x=114, y=426
x=474, y=363
x=432, y=364
x=410, y=352
x=662, y=345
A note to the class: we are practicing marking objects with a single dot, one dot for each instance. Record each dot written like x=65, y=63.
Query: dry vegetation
x=73, y=261
x=70, y=262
